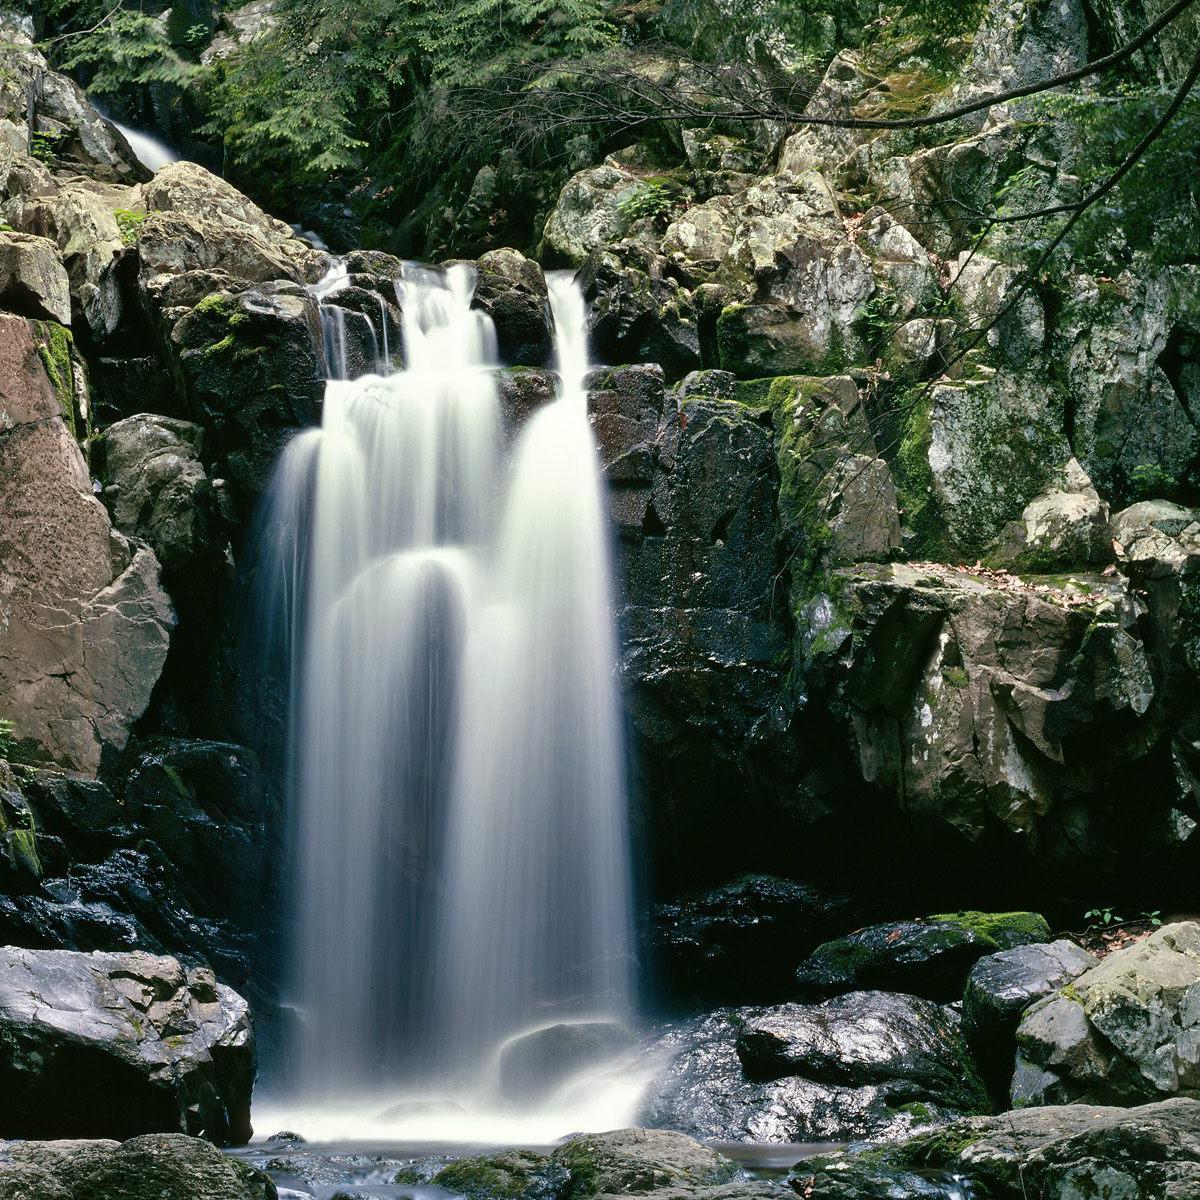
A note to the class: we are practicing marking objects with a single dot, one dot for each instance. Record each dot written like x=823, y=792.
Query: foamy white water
x=458, y=803
x=149, y=151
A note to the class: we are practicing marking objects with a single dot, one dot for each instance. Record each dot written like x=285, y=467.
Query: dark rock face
x=163, y=1166
x=737, y=943
x=512, y=291
x=1060, y=1153
x=117, y=1044
x=1000, y=988
x=872, y=1065
x=928, y=958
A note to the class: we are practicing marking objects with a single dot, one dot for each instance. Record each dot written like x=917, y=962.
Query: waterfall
x=461, y=863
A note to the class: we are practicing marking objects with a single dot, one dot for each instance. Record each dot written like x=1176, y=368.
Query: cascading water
x=461, y=849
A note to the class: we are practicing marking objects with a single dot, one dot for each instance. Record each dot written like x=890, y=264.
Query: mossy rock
x=511, y=1175
x=930, y=957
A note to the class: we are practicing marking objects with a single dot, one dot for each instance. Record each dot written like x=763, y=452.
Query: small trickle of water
x=458, y=804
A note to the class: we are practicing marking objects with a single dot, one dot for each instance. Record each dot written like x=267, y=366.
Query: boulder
x=905, y=1074
x=81, y=218
x=1065, y=527
x=200, y=221
x=929, y=957
x=590, y=211
x=157, y=1166
x=155, y=482
x=736, y=943
x=111, y=1045
x=33, y=281
x=1059, y=1153
x=511, y=289
x=254, y=374
x=1000, y=988
x=87, y=620
x=864, y=1038
x=517, y=1174
x=1123, y=1032
x=536, y=1064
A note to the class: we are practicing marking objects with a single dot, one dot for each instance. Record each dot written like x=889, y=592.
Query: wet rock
x=536, y=1064
x=523, y=390
x=33, y=281
x=155, y=481
x=865, y=1038
x=704, y=1090
x=518, y=1174
x=511, y=289
x=1000, y=988
x=636, y=1161
x=253, y=369
x=737, y=943
x=87, y=620
x=637, y=313
x=161, y=1166
x=929, y=957
x=117, y=1044
x=1059, y=1153
x=1125, y=1031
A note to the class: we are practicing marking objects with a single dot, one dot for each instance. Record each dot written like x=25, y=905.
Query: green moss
x=22, y=844
x=1002, y=929
x=956, y=676
x=54, y=349
x=939, y=1149
x=844, y=955
x=508, y=1176
x=129, y=222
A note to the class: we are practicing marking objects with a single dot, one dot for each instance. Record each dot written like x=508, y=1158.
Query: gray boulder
x=1001, y=987
x=1060, y=1153
x=111, y=1045
x=511, y=289
x=33, y=281
x=155, y=478
x=589, y=212
x=873, y=1066
x=163, y=1166
x=1124, y=1032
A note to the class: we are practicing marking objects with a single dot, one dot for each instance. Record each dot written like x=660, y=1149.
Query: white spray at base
x=460, y=827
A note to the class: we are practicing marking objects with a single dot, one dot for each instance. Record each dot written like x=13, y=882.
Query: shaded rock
x=996, y=703
x=86, y=618
x=523, y=390
x=1066, y=526
x=865, y=1038
x=535, y=1064
x=1125, y=1031
x=511, y=289
x=704, y=1091
x=162, y=1166
x=253, y=368
x=1131, y=363
x=1059, y=1153
x=33, y=281
x=1000, y=988
x=115, y=1044
x=155, y=480
x=126, y=386
x=736, y=943
x=637, y=313
x=928, y=957
x=836, y=495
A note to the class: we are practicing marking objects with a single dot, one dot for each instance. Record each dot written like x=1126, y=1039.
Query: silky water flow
x=461, y=872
